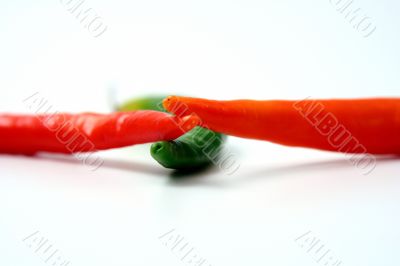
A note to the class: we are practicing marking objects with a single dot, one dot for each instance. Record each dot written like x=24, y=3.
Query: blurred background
x=87, y=55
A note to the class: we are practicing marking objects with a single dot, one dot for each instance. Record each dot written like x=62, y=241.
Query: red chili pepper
x=70, y=133
x=351, y=126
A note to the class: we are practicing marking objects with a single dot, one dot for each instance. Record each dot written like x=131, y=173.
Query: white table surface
x=119, y=214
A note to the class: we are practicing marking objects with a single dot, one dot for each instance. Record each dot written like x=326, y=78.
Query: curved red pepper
x=70, y=133
x=344, y=125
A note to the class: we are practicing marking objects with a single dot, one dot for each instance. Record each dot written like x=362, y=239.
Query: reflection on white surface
x=116, y=214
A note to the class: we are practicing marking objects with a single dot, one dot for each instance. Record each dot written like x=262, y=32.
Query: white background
x=213, y=49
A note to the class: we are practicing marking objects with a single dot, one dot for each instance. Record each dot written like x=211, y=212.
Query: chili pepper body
x=70, y=133
x=197, y=148
x=344, y=125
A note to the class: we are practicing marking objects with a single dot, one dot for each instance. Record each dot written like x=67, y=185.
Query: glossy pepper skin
x=197, y=148
x=70, y=133
x=343, y=125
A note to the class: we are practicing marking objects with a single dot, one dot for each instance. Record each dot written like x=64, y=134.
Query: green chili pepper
x=196, y=149
x=143, y=103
